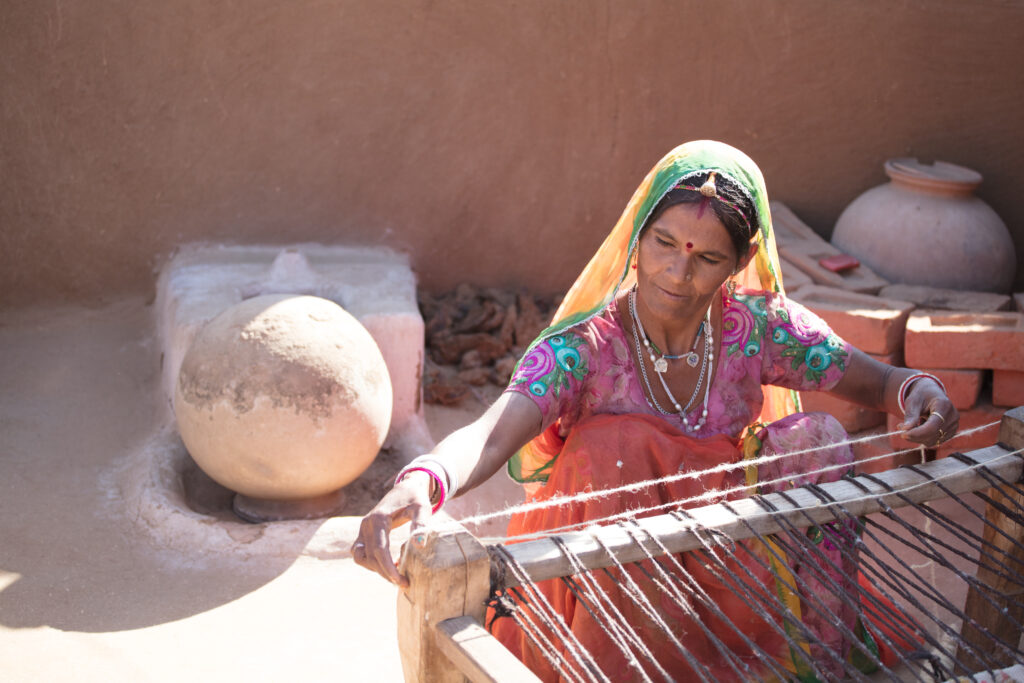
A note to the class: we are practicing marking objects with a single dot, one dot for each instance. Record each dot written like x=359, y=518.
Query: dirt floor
x=88, y=594
x=106, y=575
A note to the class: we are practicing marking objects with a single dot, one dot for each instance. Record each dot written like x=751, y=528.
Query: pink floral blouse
x=766, y=339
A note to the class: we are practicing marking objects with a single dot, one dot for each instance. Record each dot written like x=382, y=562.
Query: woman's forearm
x=475, y=452
x=928, y=415
x=871, y=383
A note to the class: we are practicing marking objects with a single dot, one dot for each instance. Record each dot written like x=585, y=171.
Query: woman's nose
x=680, y=269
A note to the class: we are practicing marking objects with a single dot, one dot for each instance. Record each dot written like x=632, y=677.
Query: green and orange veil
x=608, y=272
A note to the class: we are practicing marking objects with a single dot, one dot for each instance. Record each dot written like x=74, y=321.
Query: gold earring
x=730, y=286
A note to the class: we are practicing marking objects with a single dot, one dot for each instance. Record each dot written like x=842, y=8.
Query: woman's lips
x=671, y=295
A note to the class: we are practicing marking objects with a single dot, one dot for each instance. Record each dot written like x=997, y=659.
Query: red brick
x=965, y=340
x=806, y=254
x=948, y=299
x=981, y=414
x=872, y=324
x=790, y=229
x=871, y=444
x=792, y=277
x=853, y=417
x=1008, y=388
x=962, y=386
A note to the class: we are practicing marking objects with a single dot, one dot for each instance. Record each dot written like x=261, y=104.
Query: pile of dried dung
x=476, y=335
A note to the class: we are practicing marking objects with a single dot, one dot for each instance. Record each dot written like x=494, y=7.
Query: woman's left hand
x=931, y=418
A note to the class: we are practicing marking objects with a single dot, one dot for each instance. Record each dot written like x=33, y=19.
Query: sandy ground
x=86, y=594
x=91, y=589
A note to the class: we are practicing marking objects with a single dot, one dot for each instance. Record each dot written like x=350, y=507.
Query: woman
x=675, y=350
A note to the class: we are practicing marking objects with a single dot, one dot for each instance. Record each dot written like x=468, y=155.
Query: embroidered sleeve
x=744, y=321
x=800, y=350
x=552, y=373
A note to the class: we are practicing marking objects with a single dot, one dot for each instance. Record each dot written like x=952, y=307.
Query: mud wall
x=495, y=142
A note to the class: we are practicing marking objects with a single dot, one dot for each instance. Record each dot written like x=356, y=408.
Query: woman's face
x=683, y=259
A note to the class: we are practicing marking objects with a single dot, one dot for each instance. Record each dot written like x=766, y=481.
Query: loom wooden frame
x=439, y=617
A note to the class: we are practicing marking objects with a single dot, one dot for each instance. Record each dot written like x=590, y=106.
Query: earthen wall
x=496, y=142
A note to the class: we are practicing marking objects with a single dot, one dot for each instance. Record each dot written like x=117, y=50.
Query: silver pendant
x=661, y=365
x=691, y=359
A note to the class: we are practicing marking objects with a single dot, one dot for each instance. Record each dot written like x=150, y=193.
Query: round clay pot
x=283, y=399
x=925, y=227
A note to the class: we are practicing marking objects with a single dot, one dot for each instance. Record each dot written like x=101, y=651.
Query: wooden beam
x=542, y=559
x=479, y=655
x=985, y=620
x=449, y=576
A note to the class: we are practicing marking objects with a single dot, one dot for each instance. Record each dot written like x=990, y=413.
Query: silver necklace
x=661, y=364
x=706, y=366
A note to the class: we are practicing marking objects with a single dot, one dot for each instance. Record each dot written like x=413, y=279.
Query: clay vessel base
x=258, y=510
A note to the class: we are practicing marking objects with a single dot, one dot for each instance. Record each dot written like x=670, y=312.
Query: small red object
x=839, y=263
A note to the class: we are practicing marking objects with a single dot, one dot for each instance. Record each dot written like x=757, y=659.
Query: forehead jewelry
x=709, y=191
x=704, y=202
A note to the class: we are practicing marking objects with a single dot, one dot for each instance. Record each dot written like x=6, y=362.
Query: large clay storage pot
x=926, y=227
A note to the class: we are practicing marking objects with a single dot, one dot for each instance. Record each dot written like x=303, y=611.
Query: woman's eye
x=663, y=242
x=710, y=260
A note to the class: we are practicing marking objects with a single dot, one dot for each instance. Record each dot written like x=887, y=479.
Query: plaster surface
x=496, y=143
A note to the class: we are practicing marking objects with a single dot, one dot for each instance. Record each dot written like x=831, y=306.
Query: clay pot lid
x=940, y=177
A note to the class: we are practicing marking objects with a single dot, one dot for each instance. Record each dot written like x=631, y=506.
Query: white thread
x=725, y=467
x=632, y=513
x=572, y=643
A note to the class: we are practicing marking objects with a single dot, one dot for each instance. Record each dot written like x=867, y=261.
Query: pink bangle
x=905, y=386
x=434, y=476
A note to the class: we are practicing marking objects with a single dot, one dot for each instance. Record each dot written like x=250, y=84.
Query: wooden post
x=982, y=617
x=479, y=654
x=449, y=574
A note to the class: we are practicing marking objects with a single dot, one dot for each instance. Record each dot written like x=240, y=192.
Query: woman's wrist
x=420, y=478
x=446, y=480
x=908, y=384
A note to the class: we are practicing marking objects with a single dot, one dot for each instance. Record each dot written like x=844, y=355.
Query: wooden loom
x=440, y=616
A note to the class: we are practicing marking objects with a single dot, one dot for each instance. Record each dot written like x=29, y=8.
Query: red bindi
x=689, y=246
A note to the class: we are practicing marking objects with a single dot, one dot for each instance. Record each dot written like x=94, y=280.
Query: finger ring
x=941, y=416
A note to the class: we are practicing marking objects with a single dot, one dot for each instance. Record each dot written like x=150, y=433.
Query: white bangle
x=438, y=478
x=451, y=477
x=908, y=382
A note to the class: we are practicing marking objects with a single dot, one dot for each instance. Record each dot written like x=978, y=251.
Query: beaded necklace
x=661, y=364
x=706, y=365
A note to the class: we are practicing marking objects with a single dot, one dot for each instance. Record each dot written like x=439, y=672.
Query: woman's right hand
x=408, y=501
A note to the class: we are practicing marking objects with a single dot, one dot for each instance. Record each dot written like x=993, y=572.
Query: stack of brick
x=873, y=324
x=802, y=250
x=973, y=341
x=961, y=348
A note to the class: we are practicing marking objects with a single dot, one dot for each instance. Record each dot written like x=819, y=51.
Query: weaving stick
x=987, y=618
